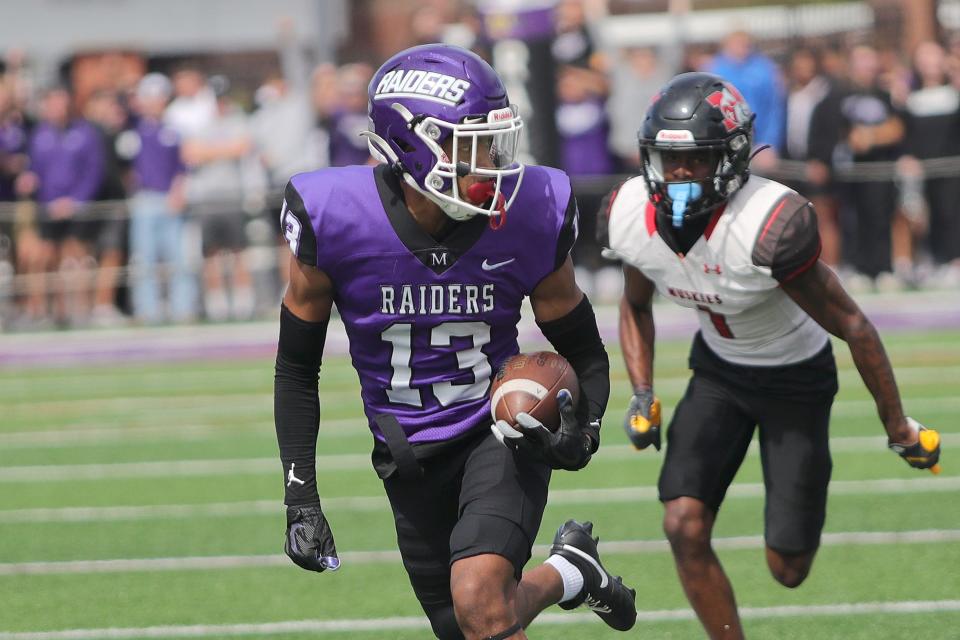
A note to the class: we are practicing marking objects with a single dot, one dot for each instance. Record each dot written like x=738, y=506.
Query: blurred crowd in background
x=152, y=198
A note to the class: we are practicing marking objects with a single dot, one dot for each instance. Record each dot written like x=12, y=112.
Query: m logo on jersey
x=426, y=85
x=731, y=104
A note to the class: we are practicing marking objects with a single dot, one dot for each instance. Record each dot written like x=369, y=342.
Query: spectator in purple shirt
x=66, y=171
x=582, y=90
x=106, y=111
x=13, y=144
x=350, y=118
x=157, y=232
x=582, y=87
x=30, y=251
x=13, y=159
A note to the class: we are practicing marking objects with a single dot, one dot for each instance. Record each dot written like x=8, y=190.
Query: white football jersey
x=765, y=235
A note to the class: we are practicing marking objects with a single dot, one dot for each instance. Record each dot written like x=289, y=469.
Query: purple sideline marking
x=908, y=312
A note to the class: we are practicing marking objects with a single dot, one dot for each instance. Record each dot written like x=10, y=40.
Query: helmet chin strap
x=380, y=150
x=477, y=193
x=681, y=193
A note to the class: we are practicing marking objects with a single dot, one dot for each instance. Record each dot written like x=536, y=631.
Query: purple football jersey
x=428, y=321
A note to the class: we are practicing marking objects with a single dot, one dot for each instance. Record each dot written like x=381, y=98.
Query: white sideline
x=336, y=462
x=417, y=622
x=615, y=547
x=612, y=495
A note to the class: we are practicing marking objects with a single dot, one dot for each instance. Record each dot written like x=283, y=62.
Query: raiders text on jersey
x=436, y=299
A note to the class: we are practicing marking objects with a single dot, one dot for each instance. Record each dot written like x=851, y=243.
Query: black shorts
x=222, y=225
x=111, y=235
x=57, y=231
x=474, y=499
x=712, y=427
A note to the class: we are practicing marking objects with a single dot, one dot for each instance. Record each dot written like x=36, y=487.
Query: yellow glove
x=925, y=452
x=642, y=422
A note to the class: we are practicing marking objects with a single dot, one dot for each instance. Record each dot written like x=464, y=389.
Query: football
x=528, y=383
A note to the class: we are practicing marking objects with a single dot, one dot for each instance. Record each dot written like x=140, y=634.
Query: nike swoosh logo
x=496, y=265
x=596, y=565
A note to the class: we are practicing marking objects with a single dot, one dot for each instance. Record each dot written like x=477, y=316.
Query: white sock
x=571, y=576
x=243, y=303
x=217, y=306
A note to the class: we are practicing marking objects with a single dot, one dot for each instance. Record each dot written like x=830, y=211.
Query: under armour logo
x=711, y=269
x=291, y=478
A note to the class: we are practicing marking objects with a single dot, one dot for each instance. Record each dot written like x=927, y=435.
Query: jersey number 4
x=471, y=358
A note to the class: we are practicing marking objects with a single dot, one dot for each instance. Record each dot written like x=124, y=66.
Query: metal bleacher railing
x=263, y=256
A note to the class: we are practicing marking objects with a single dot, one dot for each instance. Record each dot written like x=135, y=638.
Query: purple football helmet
x=425, y=96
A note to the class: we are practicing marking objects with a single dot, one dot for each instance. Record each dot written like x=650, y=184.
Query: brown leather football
x=528, y=383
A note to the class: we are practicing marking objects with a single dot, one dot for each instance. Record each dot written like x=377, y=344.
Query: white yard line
x=156, y=389
x=169, y=468
x=161, y=397
x=334, y=462
x=616, y=547
x=612, y=495
x=419, y=622
x=916, y=406
x=94, y=432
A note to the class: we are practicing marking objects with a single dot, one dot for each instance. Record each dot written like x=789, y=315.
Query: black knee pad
x=444, y=622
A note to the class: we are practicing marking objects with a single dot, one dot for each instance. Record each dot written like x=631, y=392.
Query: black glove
x=309, y=539
x=642, y=422
x=566, y=448
x=925, y=452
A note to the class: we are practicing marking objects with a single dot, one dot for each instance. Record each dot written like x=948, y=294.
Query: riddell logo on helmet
x=674, y=135
x=426, y=85
x=731, y=104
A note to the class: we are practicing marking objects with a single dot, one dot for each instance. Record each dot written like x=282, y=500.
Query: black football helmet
x=700, y=113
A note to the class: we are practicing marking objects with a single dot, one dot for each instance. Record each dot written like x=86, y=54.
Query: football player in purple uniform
x=428, y=257
x=744, y=253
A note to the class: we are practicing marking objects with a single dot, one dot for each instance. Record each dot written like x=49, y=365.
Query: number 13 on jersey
x=469, y=359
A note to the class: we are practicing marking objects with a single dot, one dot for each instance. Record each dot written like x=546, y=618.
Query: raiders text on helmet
x=696, y=112
x=425, y=96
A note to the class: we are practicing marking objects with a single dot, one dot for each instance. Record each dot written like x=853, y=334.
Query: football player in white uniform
x=744, y=253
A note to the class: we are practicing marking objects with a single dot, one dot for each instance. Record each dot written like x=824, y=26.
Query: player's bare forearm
x=820, y=294
x=557, y=294
x=636, y=327
x=877, y=373
x=636, y=341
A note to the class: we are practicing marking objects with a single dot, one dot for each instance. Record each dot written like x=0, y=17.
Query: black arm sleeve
x=575, y=336
x=568, y=232
x=296, y=405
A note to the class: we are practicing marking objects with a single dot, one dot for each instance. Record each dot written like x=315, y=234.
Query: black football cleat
x=604, y=594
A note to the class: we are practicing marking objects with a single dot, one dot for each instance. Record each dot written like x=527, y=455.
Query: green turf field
x=147, y=498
